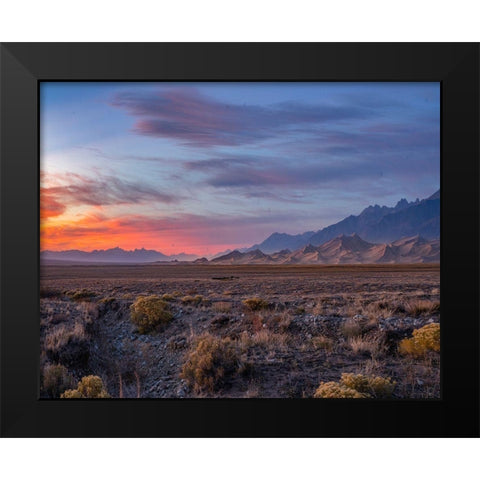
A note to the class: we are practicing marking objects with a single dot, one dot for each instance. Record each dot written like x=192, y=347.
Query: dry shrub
x=189, y=300
x=82, y=294
x=258, y=322
x=88, y=387
x=318, y=309
x=68, y=345
x=423, y=340
x=89, y=311
x=419, y=307
x=107, y=300
x=351, y=328
x=254, y=391
x=56, y=379
x=356, y=386
x=255, y=304
x=222, y=307
x=209, y=365
x=149, y=313
x=56, y=318
x=336, y=390
x=282, y=322
x=266, y=339
x=63, y=335
x=377, y=387
x=322, y=342
x=168, y=297
x=374, y=344
x=382, y=308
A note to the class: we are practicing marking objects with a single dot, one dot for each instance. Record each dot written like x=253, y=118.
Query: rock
x=391, y=319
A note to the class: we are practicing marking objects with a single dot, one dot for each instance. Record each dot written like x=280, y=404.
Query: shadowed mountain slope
x=344, y=249
x=376, y=224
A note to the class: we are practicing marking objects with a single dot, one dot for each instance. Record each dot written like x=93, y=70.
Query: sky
x=205, y=167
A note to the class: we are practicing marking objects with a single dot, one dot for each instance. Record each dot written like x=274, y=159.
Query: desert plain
x=238, y=331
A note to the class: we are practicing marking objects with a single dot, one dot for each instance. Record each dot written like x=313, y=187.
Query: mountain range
x=374, y=224
x=112, y=255
x=370, y=237
x=344, y=249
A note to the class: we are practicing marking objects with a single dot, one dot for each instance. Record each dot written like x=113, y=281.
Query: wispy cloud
x=74, y=189
x=197, y=120
x=267, y=171
x=51, y=205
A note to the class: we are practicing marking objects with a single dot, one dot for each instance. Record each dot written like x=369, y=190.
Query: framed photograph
x=239, y=240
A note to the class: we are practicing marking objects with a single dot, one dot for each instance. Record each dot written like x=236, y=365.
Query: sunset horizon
x=201, y=168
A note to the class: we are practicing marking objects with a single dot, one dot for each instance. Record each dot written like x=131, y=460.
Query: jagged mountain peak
x=375, y=224
x=435, y=196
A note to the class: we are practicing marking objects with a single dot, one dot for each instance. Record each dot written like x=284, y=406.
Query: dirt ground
x=307, y=324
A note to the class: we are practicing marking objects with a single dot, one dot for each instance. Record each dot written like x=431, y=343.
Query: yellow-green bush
x=56, y=379
x=423, y=340
x=196, y=300
x=337, y=390
x=356, y=386
x=255, y=303
x=378, y=387
x=82, y=294
x=88, y=387
x=71, y=394
x=148, y=313
x=210, y=363
x=107, y=302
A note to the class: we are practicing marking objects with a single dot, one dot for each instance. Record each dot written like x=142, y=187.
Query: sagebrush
x=356, y=386
x=210, y=363
x=423, y=340
x=88, y=387
x=148, y=313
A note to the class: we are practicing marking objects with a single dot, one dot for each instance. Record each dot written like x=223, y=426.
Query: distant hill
x=112, y=255
x=344, y=249
x=239, y=258
x=375, y=224
x=278, y=241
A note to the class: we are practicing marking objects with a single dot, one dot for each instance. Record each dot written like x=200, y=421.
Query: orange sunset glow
x=208, y=167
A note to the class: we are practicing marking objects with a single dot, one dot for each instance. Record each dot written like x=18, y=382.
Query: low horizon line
x=231, y=250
